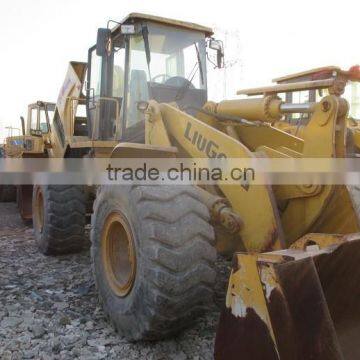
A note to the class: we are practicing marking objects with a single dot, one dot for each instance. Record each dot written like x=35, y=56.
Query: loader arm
x=265, y=227
x=297, y=302
x=262, y=221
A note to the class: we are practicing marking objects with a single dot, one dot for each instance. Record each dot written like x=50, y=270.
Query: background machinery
x=293, y=290
x=35, y=132
x=30, y=143
x=33, y=143
x=7, y=192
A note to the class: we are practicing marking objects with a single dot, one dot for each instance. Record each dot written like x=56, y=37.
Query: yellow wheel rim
x=118, y=254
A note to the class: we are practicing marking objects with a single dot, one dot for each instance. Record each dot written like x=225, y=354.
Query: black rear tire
x=175, y=259
x=59, y=218
x=7, y=193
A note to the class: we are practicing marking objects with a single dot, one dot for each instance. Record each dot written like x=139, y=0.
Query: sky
x=263, y=40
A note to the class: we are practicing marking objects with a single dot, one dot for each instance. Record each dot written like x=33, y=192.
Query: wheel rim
x=118, y=254
x=39, y=210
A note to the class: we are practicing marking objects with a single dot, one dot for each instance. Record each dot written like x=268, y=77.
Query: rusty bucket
x=299, y=303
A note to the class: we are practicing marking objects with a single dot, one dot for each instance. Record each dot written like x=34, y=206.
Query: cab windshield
x=40, y=116
x=176, y=71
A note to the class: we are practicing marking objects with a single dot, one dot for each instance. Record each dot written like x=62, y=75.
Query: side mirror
x=22, y=125
x=218, y=46
x=103, y=42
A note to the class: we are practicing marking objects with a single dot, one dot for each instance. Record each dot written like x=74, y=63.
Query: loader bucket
x=299, y=303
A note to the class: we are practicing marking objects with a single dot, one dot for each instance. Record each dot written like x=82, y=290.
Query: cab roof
x=133, y=17
x=312, y=74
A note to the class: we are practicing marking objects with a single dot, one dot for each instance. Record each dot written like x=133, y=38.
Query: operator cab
x=145, y=57
x=38, y=120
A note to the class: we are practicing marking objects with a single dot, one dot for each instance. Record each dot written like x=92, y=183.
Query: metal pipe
x=288, y=108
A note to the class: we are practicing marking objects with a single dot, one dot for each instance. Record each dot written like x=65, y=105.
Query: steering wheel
x=179, y=81
x=165, y=77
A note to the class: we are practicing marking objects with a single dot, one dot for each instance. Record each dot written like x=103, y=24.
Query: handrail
x=98, y=100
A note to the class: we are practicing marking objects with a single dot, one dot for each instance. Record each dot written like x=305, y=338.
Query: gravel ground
x=49, y=307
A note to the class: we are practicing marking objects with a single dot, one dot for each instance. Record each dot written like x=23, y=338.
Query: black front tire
x=175, y=259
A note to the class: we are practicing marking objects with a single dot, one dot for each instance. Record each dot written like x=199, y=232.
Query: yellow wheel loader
x=293, y=292
x=33, y=143
x=7, y=192
x=35, y=132
x=62, y=131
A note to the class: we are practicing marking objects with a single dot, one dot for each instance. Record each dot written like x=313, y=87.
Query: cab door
x=93, y=91
x=105, y=92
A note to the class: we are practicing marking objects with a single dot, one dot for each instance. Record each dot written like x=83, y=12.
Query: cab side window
x=95, y=75
x=118, y=73
x=34, y=119
x=43, y=122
